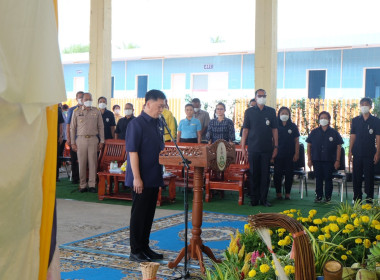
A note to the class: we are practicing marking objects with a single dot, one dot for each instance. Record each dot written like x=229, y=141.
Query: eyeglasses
x=260, y=96
x=220, y=109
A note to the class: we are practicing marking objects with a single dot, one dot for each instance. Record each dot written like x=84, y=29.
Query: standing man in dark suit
x=365, y=149
x=144, y=142
x=260, y=126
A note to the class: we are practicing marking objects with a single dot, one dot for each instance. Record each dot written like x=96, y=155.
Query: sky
x=191, y=23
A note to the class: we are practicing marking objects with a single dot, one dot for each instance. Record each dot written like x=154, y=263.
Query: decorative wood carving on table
x=218, y=155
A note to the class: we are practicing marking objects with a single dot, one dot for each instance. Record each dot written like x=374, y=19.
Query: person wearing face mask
x=202, y=116
x=122, y=124
x=365, y=133
x=117, y=113
x=73, y=154
x=260, y=127
x=288, y=152
x=108, y=119
x=85, y=128
x=323, y=151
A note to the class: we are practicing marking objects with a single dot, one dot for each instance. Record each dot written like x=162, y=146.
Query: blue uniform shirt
x=286, y=136
x=70, y=114
x=365, y=131
x=189, y=128
x=260, y=124
x=145, y=136
x=108, y=121
x=324, y=144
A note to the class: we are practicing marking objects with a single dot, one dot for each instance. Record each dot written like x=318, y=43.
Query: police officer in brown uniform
x=86, y=125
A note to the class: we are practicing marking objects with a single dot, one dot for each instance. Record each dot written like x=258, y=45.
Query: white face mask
x=364, y=109
x=196, y=110
x=88, y=103
x=80, y=101
x=128, y=112
x=323, y=122
x=284, y=118
x=117, y=111
x=261, y=100
x=102, y=105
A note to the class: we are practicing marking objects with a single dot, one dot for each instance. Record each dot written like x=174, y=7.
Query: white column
x=99, y=78
x=266, y=49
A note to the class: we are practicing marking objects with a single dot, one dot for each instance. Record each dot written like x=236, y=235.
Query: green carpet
x=228, y=204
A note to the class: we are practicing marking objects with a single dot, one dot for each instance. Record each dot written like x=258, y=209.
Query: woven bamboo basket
x=149, y=270
x=333, y=270
x=303, y=252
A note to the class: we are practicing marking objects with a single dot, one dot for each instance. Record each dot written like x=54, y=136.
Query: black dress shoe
x=83, y=190
x=75, y=182
x=139, y=257
x=254, y=203
x=266, y=204
x=92, y=190
x=153, y=255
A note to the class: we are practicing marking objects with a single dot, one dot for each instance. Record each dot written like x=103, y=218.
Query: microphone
x=161, y=117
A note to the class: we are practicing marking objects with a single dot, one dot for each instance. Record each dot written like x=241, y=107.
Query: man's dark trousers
x=259, y=164
x=74, y=166
x=142, y=215
x=363, y=166
x=283, y=166
x=323, y=173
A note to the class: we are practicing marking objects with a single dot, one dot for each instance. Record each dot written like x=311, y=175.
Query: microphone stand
x=185, y=162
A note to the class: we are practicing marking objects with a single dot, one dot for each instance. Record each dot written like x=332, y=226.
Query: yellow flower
x=245, y=268
x=334, y=227
x=365, y=219
x=362, y=230
x=290, y=215
x=324, y=220
x=377, y=227
x=366, y=207
x=313, y=228
x=341, y=220
x=286, y=212
x=349, y=227
x=340, y=247
x=353, y=215
x=321, y=237
x=241, y=252
x=343, y=257
x=293, y=210
x=324, y=247
x=289, y=269
x=349, y=252
x=305, y=220
x=299, y=219
x=317, y=221
x=282, y=230
x=345, y=217
x=345, y=231
x=356, y=222
x=312, y=212
x=332, y=218
x=327, y=235
x=281, y=242
x=358, y=240
x=378, y=237
x=374, y=243
x=367, y=243
x=248, y=257
x=252, y=273
x=247, y=228
x=264, y=268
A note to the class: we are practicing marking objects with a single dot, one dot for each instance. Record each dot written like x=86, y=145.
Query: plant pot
x=333, y=270
x=320, y=278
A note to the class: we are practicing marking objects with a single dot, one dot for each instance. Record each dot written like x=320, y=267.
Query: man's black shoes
x=83, y=190
x=92, y=190
x=266, y=203
x=139, y=257
x=254, y=203
x=153, y=255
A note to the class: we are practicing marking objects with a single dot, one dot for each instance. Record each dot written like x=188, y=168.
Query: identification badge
x=267, y=122
x=290, y=131
x=371, y=131
x=107, y=119
x=331, y=139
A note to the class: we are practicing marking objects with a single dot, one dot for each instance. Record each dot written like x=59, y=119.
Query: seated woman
x=220, y=127
x=189, y=129
x=288, y=152
x=323, y=150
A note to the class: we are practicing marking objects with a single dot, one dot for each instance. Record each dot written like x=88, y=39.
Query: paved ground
x=78, y=219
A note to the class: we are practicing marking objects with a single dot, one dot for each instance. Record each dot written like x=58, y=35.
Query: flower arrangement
x=349, y=234
x=123, y=167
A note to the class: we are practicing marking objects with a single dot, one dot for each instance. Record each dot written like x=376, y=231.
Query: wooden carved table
x=108, y=187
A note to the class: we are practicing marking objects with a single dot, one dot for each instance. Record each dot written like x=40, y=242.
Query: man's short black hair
x=115, y=106
x=154, y=94
x=79, y=92
x=324, y=113
x=260, y=89
x=102, y=97
x=189, y=105
x=366, y=99
x=65, y=107
x=195, y=100
x=252, y=100
x=129, y=104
